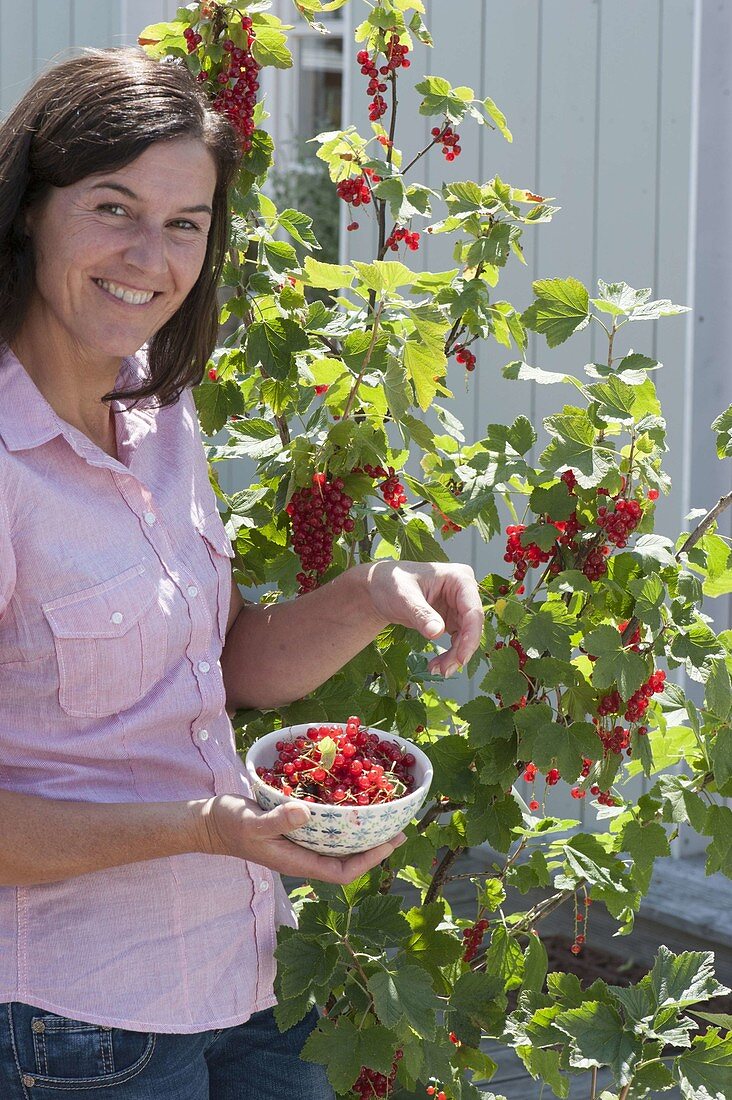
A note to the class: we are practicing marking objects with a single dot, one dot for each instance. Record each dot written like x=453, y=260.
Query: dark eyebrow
x=203, y=209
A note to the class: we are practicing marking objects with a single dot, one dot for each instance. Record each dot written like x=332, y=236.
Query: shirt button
x=203, y=735
x=264, y=886
x=149, y=518
x=192, y=590
x=204, y=666
x=117, y=617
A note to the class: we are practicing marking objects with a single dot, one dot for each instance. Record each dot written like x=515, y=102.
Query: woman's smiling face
x=117, y=253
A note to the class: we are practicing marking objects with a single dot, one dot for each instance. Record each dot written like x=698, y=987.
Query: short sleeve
x=7, y=557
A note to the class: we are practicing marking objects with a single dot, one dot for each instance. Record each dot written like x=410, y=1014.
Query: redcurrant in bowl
x=341, y=830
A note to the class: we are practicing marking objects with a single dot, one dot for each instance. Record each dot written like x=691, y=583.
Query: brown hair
x=95, y=113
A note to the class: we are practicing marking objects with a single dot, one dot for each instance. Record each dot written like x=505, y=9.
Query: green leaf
x=427, y=945
x=548, y=631
x=587, y=858
x=379, y=920
x=644, y=843
x=614, y=664
x=498, y=117
x=504, y=676
x=556, y=501
x=327, y=276
x=451, y=757
x=536, y=964
x=493, y=821
x=475, y=994
x=545, y=1065
x=650, y=594
x=301, y=962
x=441, y=99
x=718, y=825
x=723, y=427
x=270, y=48
x=216, y=403
x=575, y=445
x=343, y=1049
x=722, y=760
x=396, y=388
x=705, y=1071
x=487, y=721
x=600, y=1038
x=561, y=307
x=272, y=344
x=619, y=299
x=299, y=226
x=289, y=1013
x=718, y=692
x=384, y=276
x=424, y=367
x=697, y=645
x=504, y=959
x=405, y=993
x=280, y=256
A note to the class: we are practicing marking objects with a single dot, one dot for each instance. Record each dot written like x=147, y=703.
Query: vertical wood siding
x=39, y=32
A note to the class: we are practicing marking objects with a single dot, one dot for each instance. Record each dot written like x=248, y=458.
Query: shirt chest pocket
x=111, y=643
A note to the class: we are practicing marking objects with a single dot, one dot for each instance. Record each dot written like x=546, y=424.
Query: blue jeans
x=43, y=1055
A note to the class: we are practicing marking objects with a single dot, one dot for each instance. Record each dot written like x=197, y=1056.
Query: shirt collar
x=28, y=420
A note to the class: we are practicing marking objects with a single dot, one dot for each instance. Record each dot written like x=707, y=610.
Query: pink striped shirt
x=115, y=579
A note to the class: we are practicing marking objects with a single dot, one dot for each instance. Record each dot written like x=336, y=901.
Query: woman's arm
x=274, y=655
x=92, y=836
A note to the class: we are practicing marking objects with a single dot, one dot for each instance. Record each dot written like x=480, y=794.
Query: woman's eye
x=183, y=223
x=112, y=208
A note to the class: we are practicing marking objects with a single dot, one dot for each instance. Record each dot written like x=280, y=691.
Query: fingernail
x=451, y=670
x=298, y=816
x=400, y=838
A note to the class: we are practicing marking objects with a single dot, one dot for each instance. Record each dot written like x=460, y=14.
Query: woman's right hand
x=237, y=826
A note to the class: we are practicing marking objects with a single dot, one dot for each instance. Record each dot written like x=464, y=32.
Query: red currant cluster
x=447, y=525
x=637, y=705
x=439, y=1094
x=603, y=797
x=594, y=565
x=391, y=488
x=319, y=514
x=341, y=765
x=450, y=141
x=619, y=524
x=465, y=355
x=410, y=239
x=372, y=1083
x=473, y=937
x=321, y=389
x=580, y=922
x=213, y=374
x=553, y=776
x=521, y=556
x=193, y=39
x=355, y=191
x=237, y=80
x=610, y=704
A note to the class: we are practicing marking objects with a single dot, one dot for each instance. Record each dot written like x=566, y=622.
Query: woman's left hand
x=433, y=598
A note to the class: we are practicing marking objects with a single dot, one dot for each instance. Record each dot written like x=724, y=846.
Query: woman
x=139, y=881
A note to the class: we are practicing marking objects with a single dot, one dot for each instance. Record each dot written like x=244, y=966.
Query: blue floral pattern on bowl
x=340, y=830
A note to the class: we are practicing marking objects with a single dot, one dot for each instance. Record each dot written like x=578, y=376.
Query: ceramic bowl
x=340, y=830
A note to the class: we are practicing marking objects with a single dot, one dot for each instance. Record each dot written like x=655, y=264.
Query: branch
x=434, y=812
x=364, y=365
x=439, y=876
x=700, y=530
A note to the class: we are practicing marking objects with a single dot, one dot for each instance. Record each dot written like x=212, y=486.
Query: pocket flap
x=213, y=530
x=108, y=610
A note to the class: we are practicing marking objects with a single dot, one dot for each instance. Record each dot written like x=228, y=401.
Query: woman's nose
x=147, y=251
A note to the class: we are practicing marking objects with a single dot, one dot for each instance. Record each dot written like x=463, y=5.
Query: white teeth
x=131, y=297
